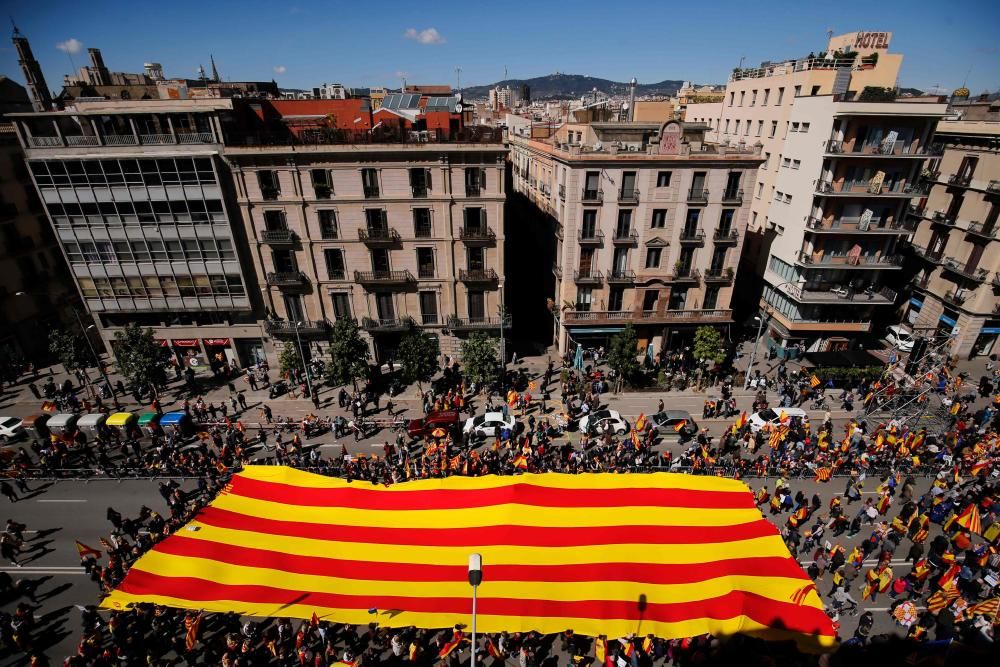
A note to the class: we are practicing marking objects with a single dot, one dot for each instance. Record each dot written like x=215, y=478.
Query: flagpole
x=475, y=578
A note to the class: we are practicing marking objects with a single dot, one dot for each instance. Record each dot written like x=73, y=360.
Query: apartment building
x=649, y=223
x=958, y=275
x=828, y=209
x=399, y=227
x=135, y=193
x=36, y=291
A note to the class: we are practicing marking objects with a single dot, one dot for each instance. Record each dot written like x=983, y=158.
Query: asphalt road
x=59, y=513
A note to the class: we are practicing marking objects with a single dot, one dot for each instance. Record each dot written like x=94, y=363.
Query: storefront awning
x=215, y=341
x=185, y=342
x=597, y=330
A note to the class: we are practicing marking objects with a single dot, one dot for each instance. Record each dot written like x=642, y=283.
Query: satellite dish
x=598, y=145
x=458, y=108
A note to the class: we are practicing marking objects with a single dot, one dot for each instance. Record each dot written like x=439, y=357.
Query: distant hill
x=565, y=86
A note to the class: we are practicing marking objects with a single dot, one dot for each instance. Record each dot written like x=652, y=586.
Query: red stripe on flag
x=808, y=620
x=645, y=573
x=543, y=536
x=524, y=494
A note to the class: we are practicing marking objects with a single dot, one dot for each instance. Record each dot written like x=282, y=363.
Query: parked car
x=604, y=420
x=10, y=428
x=422, y=428
x=489, y=425
x=666, y=422
x=898, y=337
x=769, y=416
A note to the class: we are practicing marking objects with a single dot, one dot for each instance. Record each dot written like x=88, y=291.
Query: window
x=727, y=126
x=376, y=221
x=476, y=305
x=321, y=183
x=795, y=127
x=653, y=258
x=781, y=94
x=274, y=220
x=425, y=262
x=616, y=298
x=475, y=181
x=753, y=98
x=663, y=179
x=678, y=299
x=369, y=182
x=422, y=223
x=588, y=228
x=327, y=224
x=711, y=297
x=659, y=218
x=804, y=127
x=788, y=198
x=786, y=163
x=767, y=94
x=726, y=221
x=753, y=220
x=335, y=269
x=760, y=190
x=474, y=221
x=777, y=195
x=767, y=159
x=428, y=308
x=743, y=95
x=760, y=127
x=420, y=182
x=649, y=299
x=815, y=91
x=731, y=97
x=341, y=305
x=583, y=298
x=746, y=129
x=268, y=181
x=737, y=127
x=796, y=164
x=967, y=168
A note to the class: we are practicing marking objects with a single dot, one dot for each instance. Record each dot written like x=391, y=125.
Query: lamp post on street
x=475, y=578
x=302, y=357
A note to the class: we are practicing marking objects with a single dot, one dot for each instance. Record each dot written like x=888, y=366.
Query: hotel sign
x=872, y=40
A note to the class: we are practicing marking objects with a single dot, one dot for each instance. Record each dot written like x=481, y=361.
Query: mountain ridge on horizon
x=560, y=85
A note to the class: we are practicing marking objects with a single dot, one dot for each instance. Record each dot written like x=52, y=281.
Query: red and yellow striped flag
x=970, y=519
x=559, y=551
x=986, y=607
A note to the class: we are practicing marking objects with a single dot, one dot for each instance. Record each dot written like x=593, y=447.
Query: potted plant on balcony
x=678, y=266
x=729, y=272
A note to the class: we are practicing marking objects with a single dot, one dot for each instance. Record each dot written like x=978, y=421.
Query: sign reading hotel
x=872, y=40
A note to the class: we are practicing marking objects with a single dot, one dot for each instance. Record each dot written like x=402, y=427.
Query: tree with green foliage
x=139, y=357
x=289, y=358
x=708, y=345
x=69, y=349
x=479, y=358
x=12, y=363
x=348, y=354
x=418, y=356
x=622, y=355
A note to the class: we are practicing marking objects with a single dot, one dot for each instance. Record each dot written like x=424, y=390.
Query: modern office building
x=649, y=221
x=137, y=196
x=828, y=208
x=958, y=279
x=399, y=225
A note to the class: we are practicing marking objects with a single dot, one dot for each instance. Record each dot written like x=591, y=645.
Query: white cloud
x=71, y=46
x=280, y=69
x=428, y=36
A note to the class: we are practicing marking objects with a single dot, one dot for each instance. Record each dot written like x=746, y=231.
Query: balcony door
x=476, y=259
x=284, y=261
x=380, y=260
x=293, y=308
x=698, y=182
x=384, y=306
x=477, y=305
x=628, y=183
x=624, y=227
x=733, y=184
x=588, y=229
x=718, y=260
x=691, y=222
x=620, y=261
x=592, y=183
x=378, y=226
x=586, y=261
x=274, y=221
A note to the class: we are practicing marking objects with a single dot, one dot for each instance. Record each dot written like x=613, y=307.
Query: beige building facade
x=395, y=236
x=649, y=225
x=956, y=244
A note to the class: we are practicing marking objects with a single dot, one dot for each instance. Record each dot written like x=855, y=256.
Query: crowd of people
x=950, y=533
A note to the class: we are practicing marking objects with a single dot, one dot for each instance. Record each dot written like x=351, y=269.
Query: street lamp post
x=503, y=346
x=475, y=578
x=302, y=356
x=761, y=318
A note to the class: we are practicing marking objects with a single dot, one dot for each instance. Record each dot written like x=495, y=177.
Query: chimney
x=103, y=77
x=631, y=99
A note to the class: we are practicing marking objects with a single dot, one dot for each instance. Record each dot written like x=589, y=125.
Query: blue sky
x=303, y=43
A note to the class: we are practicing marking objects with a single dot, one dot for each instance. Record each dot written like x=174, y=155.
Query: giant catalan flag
x=667, y=554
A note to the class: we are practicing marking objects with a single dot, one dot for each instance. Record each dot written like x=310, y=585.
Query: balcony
x=82, y=140
x=371, y=191
x=287, y=279
x=943, y=219
x=628, y=196
x=621, y=277
x=692, y=236
x=482, y=235
x=588, y=277
x=882, y=149
x=156, y=139
x=477, y=323
x=418, y=191
x=864, y=189
x=591, y=238
x=278, y=237
x=726, y=236
x=379, y=236
x=827, y=325
x=961, y=269
x=286, y=329
x=195, y=138
x=592, y=197
x=850, y=261
x=719, y=276
x=841, y=294
x=697, y=196
x=928, y=254
x=383, y=277
x=571, y=317
x=982, y=230
x=732, y=197
x=853, y=225
x=960, y=180
x=386, y=325
x=993, y=188
x=478, y=276
x=955, y=298
x=625, y=237
x=121, y=140
x=685, y=275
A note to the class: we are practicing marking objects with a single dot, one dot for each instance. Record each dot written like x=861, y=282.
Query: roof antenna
x=458, y=74
x=16, y=31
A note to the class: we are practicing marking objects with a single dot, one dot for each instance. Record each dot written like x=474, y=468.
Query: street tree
x=139, y=358
x=708, y=345
x=479, y=358
x=288, y=358
x=348, y=354
x=622, y=355
x=418, y=356
x=68, y=348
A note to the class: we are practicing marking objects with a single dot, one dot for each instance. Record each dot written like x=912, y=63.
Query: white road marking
x=58, y=500
x=54, y=571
